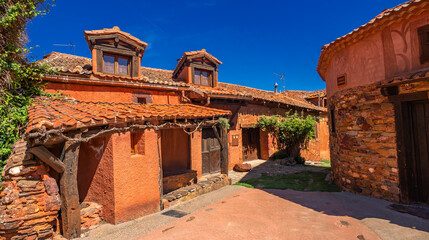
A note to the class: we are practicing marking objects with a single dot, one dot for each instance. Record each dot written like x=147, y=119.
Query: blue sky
x=253, y=39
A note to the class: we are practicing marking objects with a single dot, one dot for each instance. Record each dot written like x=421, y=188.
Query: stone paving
x=270, y=168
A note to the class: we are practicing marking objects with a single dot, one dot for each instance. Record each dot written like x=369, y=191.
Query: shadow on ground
x=375, y=213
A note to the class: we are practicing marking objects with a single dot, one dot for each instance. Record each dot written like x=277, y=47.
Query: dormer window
x=115, y=64
x=115, y=52
x=202, y=77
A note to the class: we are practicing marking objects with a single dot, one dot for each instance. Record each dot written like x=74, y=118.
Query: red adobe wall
x=136, y=183
x=95, y=175
x=126, y=185
x=390, y=52
x=109, y=94
x=249, y=115
x=196, y=156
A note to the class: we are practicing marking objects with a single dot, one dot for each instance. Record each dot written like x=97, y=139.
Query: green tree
x=291, y=132
x=20, y=80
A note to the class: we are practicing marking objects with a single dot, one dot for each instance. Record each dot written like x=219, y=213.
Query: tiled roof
x=313, y=94
x=271, y=96
x=66, y=63
x=416, y=76
x=115, y=30
x=384, y=19
x=202, y=51
x=219, y=91
x=69, y=114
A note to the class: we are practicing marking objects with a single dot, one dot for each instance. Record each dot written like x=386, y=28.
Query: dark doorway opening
x=417, y=149
x=211, y=152
x=251, y=144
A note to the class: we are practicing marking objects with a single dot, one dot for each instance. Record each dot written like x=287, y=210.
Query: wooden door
x=250, y=137
x=211, y=151
x=418, y=162
x=174, y=151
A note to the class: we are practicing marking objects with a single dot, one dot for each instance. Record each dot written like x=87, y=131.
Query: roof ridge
x=246, y=87
x=160, y=69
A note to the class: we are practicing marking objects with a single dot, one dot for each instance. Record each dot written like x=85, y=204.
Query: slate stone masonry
x=363, y=147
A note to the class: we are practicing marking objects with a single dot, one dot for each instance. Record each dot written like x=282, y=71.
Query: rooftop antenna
x=282, y=78
x=68, y=45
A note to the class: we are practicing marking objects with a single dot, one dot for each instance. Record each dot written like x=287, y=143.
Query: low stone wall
x=90, y=213
x=195, y=190
x=363, y=148
x=176, y=181
x=29, y=198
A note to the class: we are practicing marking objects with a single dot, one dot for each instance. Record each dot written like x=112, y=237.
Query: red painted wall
x=390, y=52
x=125, y=184
x=109, y=94
x=196, y=156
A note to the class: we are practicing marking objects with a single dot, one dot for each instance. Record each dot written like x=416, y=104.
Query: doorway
x=417, y=164
x=251, y=141
x=211, y=151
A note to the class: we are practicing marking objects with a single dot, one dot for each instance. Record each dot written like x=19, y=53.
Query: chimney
x=275, y=87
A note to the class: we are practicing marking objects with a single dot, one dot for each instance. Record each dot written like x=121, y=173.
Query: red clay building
x=378, y=88
x=130, y=134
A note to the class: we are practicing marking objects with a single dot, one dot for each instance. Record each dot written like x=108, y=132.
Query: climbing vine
x=20, y=80
x=291, y=132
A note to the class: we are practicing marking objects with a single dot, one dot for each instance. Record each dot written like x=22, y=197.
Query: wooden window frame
x=116, y=56
x=135, y=139
x=210, y=76
x=423, y=35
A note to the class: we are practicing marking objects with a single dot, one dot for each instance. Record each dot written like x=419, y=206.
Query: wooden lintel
x=70, y=209
x=47, y=157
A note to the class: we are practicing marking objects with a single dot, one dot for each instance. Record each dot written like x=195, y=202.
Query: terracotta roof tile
x=219, y=91
x=202, y=51
x=115, y=30
x=66, y=63
x=69, y=114
x=271, y=96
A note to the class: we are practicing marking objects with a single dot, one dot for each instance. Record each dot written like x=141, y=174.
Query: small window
x=141, y=100
x=341, y=80
x=137, y=143
x=424, y=43
x=202, y=77
x=116, y=64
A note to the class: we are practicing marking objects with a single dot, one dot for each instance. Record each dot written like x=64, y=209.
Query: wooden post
x=224, y=153
x=70, y=209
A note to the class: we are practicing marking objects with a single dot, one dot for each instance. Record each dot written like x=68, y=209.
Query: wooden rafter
x=47, y=157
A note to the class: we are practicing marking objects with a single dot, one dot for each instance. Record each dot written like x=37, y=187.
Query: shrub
x=292, y=132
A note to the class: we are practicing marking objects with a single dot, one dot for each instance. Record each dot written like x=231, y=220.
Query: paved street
x=235, y=212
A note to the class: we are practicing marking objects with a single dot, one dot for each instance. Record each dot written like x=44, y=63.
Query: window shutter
x=424, y=43
x=135, y=68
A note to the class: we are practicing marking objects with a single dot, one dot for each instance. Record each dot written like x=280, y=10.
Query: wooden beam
x=47, y=157
x=70, y=209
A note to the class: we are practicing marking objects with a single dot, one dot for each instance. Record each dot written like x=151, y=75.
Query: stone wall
x=29, y=200
x=363, y=148
x=174, y=182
